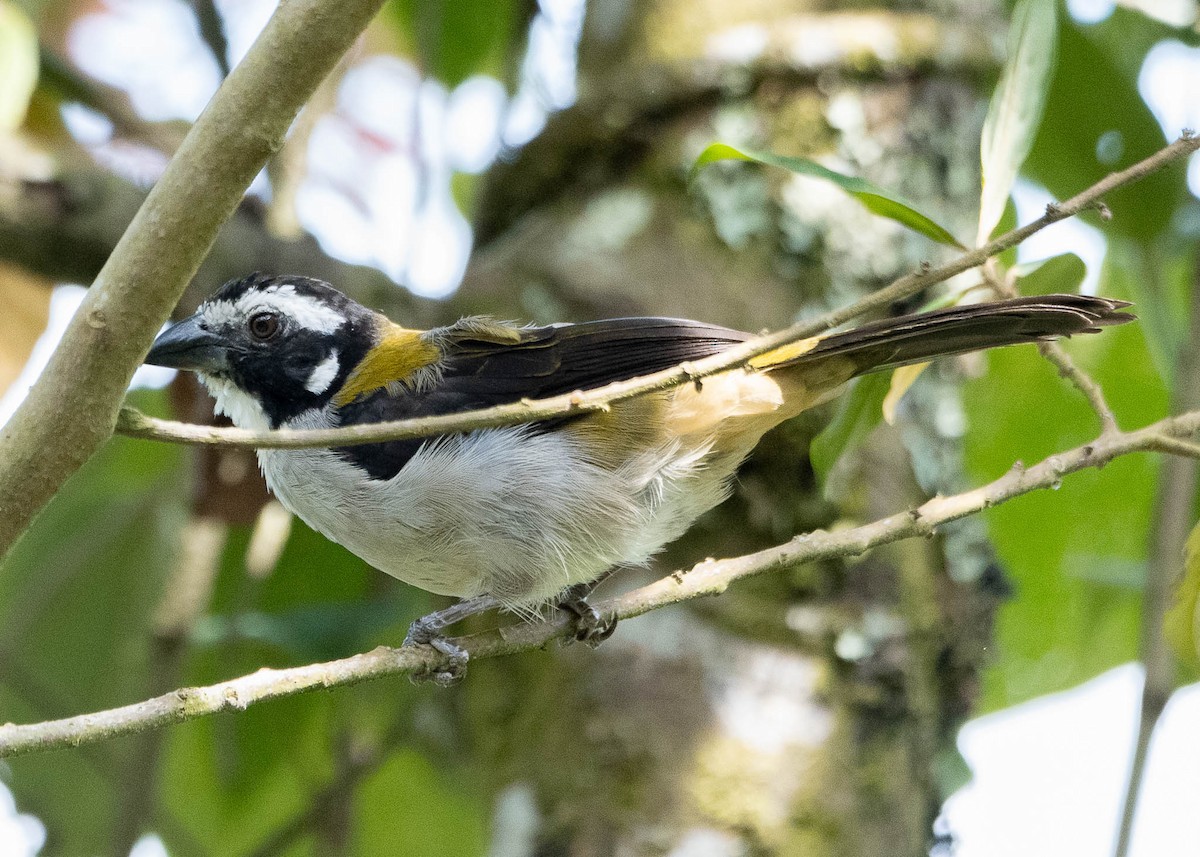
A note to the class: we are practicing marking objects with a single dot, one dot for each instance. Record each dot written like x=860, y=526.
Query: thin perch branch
x=710, y=577
x=135, y=424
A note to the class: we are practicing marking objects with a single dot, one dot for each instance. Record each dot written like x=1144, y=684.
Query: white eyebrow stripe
x=308, y=312
x=323, y=374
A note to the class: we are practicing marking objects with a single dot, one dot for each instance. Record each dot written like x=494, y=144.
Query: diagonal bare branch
x=134, y=424
x=708, y=578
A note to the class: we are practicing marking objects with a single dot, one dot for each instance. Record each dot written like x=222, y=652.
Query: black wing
x=548, y=361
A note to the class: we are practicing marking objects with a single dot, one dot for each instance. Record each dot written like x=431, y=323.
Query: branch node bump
x=1053, y=209
x=689, y=370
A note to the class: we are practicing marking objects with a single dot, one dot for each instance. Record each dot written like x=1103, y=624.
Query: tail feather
x=916, y=338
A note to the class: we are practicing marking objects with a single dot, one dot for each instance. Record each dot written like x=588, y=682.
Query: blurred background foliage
x=531, y=160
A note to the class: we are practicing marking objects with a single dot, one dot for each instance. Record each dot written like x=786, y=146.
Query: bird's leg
x=428, y=631
x=591, y=626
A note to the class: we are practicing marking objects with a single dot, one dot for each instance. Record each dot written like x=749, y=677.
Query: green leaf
x=1181, y=625
x=1160, y=289
x=876, y=200
x=903, y=378
x=18, y=65
x=1092, y=98
x=1008, y=222
x=1017, y=106
x=1067, y=623
x=1054, y=276
x=316, y=632
x=859, y=411
x=454, y=39
x=233, y=783
x=77, y=596
x=414, y=805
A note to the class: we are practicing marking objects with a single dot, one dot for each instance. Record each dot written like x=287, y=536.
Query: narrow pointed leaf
x=859, y=411
x=1018, y=103
x=876, y=200
x=1181, y=625
x=902, y=379
x=18, y=65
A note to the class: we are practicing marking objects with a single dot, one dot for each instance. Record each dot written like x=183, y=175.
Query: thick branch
x=590, y=139
x=134, y=424
x=73, y=408
x=65, y=228
x=710, y=577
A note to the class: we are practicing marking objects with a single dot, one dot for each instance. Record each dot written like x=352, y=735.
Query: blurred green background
x=531, y=160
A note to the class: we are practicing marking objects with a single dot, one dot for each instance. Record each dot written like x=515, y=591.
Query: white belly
x=500, y=512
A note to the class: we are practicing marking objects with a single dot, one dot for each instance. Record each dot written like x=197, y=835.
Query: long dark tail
x=916, y=338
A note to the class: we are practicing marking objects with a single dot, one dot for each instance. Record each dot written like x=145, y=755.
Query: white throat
x=241, y=407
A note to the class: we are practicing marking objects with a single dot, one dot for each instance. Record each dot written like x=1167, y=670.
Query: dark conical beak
x=187, y=345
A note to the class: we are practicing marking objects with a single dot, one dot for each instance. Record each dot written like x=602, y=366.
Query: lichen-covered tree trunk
x=806, y=712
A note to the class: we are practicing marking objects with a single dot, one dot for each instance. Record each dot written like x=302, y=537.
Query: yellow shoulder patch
x=400, y=353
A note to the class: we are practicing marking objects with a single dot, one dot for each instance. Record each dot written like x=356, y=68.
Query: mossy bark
x=804, y=713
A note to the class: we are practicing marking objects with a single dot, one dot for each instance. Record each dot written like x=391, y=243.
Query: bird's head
x=270, y=348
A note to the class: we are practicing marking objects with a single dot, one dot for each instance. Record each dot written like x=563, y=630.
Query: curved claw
x=594, y=627
x=591, y=626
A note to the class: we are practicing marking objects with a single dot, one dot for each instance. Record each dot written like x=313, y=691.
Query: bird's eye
x=264, y=325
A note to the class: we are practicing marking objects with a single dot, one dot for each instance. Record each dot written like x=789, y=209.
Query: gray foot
x=427, y=631
x=591, y=626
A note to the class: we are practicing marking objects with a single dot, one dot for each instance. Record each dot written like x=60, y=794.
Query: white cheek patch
x=323, y=374
x=305, y=311
x=241, y=407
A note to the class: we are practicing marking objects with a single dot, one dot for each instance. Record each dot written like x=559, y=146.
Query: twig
x=212, y=31
x=1062, y=361
x=708, y=578
x=1084, y=382
x=354, y=766
x=1174, y=516
x=134, y=424
x=1176, y=446
x=73, y=407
